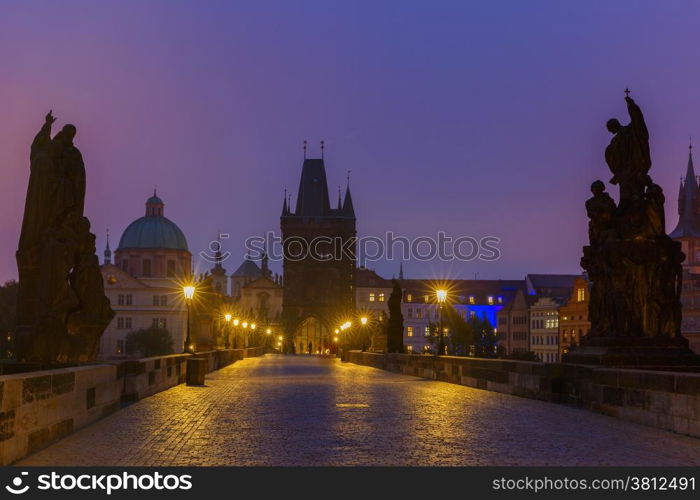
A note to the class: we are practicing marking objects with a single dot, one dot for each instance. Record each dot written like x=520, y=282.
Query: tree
x=149, y=342
x=459, y=338
x=394, y=327
x=485, y=339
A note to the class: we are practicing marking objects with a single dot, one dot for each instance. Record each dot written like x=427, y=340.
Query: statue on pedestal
x=634, y=267
x=62, y=309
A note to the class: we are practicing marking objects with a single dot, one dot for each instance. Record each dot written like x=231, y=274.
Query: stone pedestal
x=196, y=370
x=379, y=343
x=633, y=352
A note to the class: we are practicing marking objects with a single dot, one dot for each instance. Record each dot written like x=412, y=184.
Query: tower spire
x=401, y=270
x=323, y=146
x=108, y=251
x=285, y=206
x=305, y=149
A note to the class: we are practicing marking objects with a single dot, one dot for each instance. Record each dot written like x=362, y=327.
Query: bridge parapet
x=664, y=399
x=39, y=407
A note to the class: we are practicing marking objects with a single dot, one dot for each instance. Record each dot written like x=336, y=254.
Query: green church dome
x=153, y=231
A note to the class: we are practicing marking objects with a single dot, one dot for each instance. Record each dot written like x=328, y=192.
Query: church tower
x=318, y=278
x=688, y=229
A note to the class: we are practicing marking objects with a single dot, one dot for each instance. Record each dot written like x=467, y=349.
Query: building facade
x=544, y=329
x=514, y=324
x=144, y=284
x=319, y=262
x=573, y=316
x=687, y=231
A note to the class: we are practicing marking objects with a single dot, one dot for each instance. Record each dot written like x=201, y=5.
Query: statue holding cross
x=628, y=155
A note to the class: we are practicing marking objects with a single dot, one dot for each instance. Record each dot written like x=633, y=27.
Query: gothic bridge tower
x=318, y=292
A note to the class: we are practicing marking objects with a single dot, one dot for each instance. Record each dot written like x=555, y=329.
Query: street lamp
x=188, y=292
x=441, y=295
x=236, y=322
x=228, y=318
x=363, y=320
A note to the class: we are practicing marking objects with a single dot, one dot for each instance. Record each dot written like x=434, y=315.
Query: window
x=120, y=347
x=471, y=299
x=123, y=323
x=146, y=267
x=120, y=299
x=490, y=299
x=163, y=300
x=409, y=331
x=500, y=300
x=125, y=265
x=427, y=298
x=419, y=313
x=427, y=331
x=581, y=294
x=381, y=297
x=409, y=313
x=409, y=348
x=171, y=269
x=371, y=296
x=472, y=314
x=156, y=300
x=160, y=323
x=128, y=300
x=409, y=297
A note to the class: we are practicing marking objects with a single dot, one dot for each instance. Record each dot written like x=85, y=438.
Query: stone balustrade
x=663, y=399
x=39, y=407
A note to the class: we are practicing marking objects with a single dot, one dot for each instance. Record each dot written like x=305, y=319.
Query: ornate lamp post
x=188, y=292
x=252, y=330
x=228, y=318
x=441, y=298
x=236, y=322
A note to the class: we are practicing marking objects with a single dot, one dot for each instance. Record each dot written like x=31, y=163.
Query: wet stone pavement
x=305, y=410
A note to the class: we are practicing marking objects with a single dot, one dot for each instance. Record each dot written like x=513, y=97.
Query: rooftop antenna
x=323, y=146
x=305, y=149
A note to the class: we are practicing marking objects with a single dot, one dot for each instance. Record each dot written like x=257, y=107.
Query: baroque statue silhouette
x=633, y=266
x=61, y=310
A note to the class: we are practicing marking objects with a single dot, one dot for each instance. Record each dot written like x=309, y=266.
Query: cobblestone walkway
x=302, y=410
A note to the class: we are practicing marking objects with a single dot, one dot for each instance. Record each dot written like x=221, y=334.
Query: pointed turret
x=312, y=199
x=688, y=203
x=401, y=271
x=348, y=209
x=285, y=206
x=108, y=251
x=264, y=263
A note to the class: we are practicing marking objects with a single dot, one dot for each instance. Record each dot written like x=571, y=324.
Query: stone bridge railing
x=39, y=407
x=663, y=399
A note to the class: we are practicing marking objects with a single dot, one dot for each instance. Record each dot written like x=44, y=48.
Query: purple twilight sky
x=476, y=118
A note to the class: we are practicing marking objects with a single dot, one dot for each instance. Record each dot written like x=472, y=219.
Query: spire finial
x=154, y=191
x=627, y=92
x=323, y=146
x=690, y=145
x=305, y=149
x=348, y=177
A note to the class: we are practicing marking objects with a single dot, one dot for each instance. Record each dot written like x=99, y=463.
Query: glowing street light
x=363, y=320
x=245, y=324
x=268, y=331
x=227, y=318
x=441, y=295
x=188, y=292
x=236, y=321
